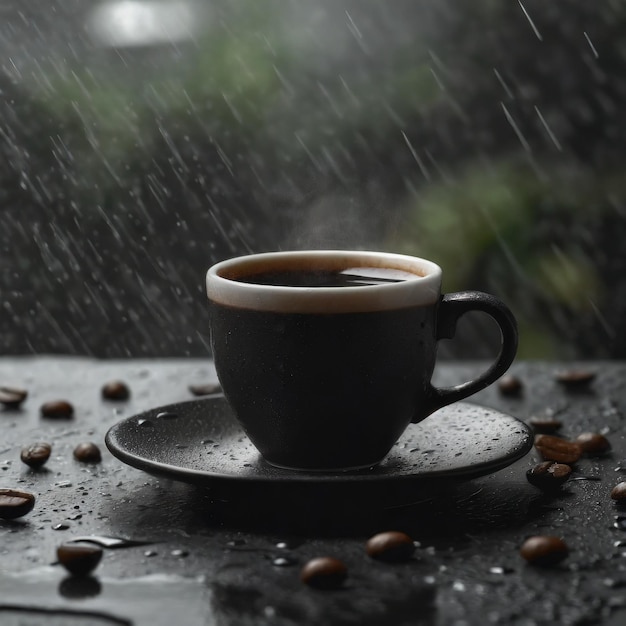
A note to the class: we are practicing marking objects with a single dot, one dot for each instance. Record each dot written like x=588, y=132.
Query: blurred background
x=143, y=140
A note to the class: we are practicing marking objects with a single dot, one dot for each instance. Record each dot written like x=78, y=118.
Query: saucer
x=200, y=442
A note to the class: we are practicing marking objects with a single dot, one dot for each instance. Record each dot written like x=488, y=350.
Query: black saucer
x=200, y=442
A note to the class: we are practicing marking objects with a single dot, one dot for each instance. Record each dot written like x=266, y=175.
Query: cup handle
x=451, y=307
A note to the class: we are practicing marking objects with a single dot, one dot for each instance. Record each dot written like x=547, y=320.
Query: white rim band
x=224, y=288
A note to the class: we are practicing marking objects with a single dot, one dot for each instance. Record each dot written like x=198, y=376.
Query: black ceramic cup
x=326, y=356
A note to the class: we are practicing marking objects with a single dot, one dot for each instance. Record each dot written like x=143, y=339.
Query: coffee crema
x=350, y=277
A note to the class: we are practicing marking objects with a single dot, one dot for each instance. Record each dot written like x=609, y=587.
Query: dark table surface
x=209, y=560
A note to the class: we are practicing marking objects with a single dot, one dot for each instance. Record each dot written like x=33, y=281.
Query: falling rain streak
x=530, y=21
x=140, y=143
x=506, y=88
x=593, y=48
x=416, y=156
x=552, y=136
x=515, y=127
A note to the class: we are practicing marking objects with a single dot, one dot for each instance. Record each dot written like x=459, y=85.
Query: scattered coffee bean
x=593, y=444
x=324, y=573
x=544, y=550
x=79, y=558
x=391, y=546
x=510, y=385
x=12, y=397
x=548, y=475
x=556, y=449
x=115, y=390
x=36, y=455
x=57, y=409
x=619, y=492
x=205, y=390
x=87, y=452
x=575, y=379
x=14, y=503
x=545, y=425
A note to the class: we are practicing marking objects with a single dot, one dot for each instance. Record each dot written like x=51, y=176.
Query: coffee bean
x=593, y=444
x=574, y=378
x=87, y=452
x=12, y=397
x=324, y=573
x=14, y=503
x=79, y=558
x=391, y=546
x=57, y=409
x=36, y=455
x=545, y=425
x=205, y=390
x=115, y=390
x=556, y=449
x=544, y=550
x=619, y=492
x=510, y=385
x=548, y=475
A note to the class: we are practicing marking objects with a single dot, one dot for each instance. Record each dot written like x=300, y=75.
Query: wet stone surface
x=169, y=547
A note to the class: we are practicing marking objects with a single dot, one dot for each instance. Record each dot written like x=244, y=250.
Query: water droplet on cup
x=166, y=415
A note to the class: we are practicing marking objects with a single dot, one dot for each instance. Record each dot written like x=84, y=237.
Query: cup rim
x=223, y=287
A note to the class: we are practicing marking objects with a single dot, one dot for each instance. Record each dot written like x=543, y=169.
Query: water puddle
x=46, y=596
x=111, y=543
x=22, y=616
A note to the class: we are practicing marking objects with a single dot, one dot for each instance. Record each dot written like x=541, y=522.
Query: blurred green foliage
x=507, y=230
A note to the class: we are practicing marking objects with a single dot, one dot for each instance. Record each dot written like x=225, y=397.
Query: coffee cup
x=326, y=357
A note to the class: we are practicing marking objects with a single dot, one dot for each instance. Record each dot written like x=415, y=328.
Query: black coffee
x=351, y=277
